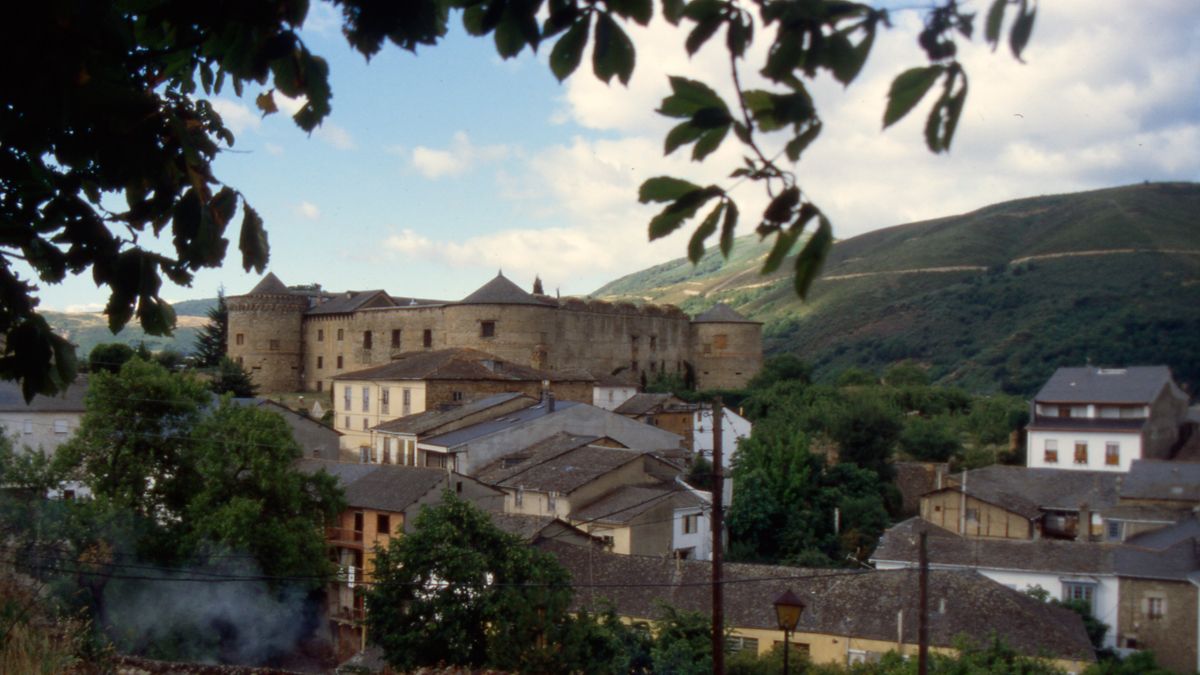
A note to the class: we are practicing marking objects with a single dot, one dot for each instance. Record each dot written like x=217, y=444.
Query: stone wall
x=439, y=392
x=1171, y=635
x=726, y=355
x=265, y=337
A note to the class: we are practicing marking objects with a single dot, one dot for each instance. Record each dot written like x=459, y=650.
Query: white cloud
x=85, y=308
x=236, y=116
x=460, y=157
x=308, y=210
x=273, y=149
x=335, y=135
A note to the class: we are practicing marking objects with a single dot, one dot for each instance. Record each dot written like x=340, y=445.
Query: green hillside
x=993, y=299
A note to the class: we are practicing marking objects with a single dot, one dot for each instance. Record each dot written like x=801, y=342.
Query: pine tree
x=213, y=338
x=232, y=379
x=537, y=285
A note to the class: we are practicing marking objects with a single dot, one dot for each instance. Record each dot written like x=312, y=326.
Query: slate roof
x=899, y=544
x=565, y=471
x=424, y=422
x=1029, y=491
x=459, y=363
x=71, y=400
x=721, y=313
x=1086, y=424
x=1134, y=385
x=531, y=528
x=864, y=604
x=270, y=285
x=384, y=487
x=1166, y=537
x=1162, y=480
x=351, y=301
x=640, y=404
x=311, y=435
x=533, y=455
x=501, y=291
x=628, y=502
x=1173, y=563
x=467, y=434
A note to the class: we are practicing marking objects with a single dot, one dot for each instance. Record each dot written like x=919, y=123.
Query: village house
x=1102, y=419
x=381, y=503
x=45, y=422
x=850, y=616
x=316, y=439
x=1153, y=495
x=413, y=382
x=613, y=390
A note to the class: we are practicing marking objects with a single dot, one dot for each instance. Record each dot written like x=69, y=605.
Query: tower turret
x=265, y=334
x=726, y=348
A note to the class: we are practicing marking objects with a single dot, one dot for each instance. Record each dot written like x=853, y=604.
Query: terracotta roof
x=270, y=285
x=431, y=420
x=385, y=487
x=564, y=471
x=721, y=313
x=459, y=363
x=501, y=291
x=1136, y=384
x=899, y=544
x=1162, y=480
x=71, y=400
x=865, y=604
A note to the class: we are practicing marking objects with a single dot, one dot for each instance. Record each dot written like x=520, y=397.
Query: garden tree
x=993, y=418
x=460, y=591
x=213, y=339
x=109, y=357
x=233, y=379
x=865, y=427
x=782, y=368
x=107, y=136
x=170, y=359
x=1094, y=627
x=933, y=439
x=600, y=642
x=683, y=645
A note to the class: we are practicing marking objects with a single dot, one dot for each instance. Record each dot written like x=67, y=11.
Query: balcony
x=350, y=576
x=342, y=536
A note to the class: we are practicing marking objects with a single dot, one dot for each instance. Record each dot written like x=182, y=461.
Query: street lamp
x=787, y=609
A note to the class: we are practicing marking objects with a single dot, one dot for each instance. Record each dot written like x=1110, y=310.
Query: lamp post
x=787, y=609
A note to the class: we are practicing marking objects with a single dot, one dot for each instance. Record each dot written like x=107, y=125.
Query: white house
x=692, y=529
x=1102, y=419
x=44, y=423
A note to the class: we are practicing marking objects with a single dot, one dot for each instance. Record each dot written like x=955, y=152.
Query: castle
x=298, y=338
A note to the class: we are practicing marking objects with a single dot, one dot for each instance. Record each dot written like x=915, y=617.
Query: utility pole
x=718, y=518
x=923, y=621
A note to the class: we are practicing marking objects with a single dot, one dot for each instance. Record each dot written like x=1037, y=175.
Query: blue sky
x=436, y=170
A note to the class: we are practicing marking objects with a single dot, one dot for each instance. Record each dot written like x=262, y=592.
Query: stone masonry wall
x=726, y=355
x=265, y=337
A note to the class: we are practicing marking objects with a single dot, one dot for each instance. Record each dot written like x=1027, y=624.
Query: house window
x=341, y=334
x=1051, y=451
x=608, y=541
x=1064, y=411
x=456, y=396
x=383, y=400
x=365, y=427
x=60, y=426
x=239, y=360
x=347, y=424
x=366, y=393
x=406, y=400
x=366, y=339
x=1114, y=530
x=240, y=339
x=273, y=345
x=487, y=329
x=691, y=523
x=28, y=426
x=387, y=450
x=320, y=362
x=737, y=643
x=551, y=501
x=395, y=338
x=972, y=515
x=1112, y=454
x=339, y=362
x=427, y=338
x=1081, y=452
x=1156, y=608
x=383, y=523
x=320, y=335
x=346, y=395
x=519, y=496
x=1074, y=590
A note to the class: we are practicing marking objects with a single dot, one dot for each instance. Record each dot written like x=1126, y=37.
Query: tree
x=109, y=357
x=782, y=368
x=232, y=379
x=866, y=427
x=683, y=645
x=212, y=341
x=459, y=591
x=930, y=439
x=110, y=112
x=906, y=374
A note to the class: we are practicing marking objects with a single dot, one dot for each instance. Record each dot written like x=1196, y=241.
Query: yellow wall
x=353, y=435
x=943, y=509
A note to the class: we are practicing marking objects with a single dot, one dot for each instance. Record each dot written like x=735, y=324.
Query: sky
x=436, y=170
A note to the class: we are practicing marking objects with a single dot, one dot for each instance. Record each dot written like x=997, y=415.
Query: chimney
x=549, y=401
x=1083, y=530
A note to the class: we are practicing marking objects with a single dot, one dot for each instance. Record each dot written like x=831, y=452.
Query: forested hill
x=991, y=300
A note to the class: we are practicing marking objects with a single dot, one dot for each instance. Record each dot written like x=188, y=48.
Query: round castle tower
x=726, y=348
x=265, y=335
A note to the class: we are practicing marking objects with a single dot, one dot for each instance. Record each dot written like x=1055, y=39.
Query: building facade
x=299, y=338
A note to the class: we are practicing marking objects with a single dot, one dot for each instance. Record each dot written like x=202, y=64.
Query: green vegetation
x=1006, y=318
x=213, y=339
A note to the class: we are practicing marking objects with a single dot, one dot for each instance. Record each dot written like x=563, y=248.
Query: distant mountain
x=88, y=329
x=991, y=300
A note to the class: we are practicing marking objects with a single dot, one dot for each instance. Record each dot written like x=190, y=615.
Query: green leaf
x=687, y=97
x=703, y=10
x=253, y=241
x=707, y=228
x=907, y=90
x=266, y=103
x=797, y=145
x=701, y=33
x=664, y=189
x=568, y=51
x=739, y=34
x=712, y=117
x=812, y=257
x=65, y=364
x=156, y=315
x=709, y=142
x=943, y=119
x=673, y=11
x=638, y=10
x=995, y=19
x=784, y=240
x=1021, y=30
x=673, y=215
x=780, y=208
x=728, y=228
x=682, y=134
x=613, y=52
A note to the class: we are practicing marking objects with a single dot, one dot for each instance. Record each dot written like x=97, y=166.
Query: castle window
x=320, y=386
x=320, y=335
x=707, y=348
x=456, y=395
x=366, y=339
x=239, y=360
x=339, y=362
x=487, y=329
x=653, y=367
x=240, y=339
x=341, y=334
x=320, y=361
x=395, y=338
x=633, y=365
x=721, y=341
x=427, y=338
x=273, y=345
x=366, y=391
x=653, y=342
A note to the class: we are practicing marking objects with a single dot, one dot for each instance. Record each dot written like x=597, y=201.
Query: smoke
x=199, y=614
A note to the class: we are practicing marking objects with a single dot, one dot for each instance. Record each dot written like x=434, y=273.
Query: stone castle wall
x=266, y=338
x=726, y=355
